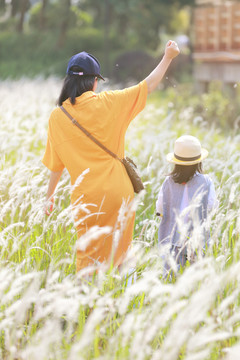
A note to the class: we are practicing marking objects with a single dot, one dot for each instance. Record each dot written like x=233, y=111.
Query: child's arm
x=153, y=79
x=53, y=181
x=159, y=203
x=212, y=198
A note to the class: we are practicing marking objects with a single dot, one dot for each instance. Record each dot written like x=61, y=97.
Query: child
x=185, y=198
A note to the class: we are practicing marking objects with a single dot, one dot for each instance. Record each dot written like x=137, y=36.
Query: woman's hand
x=54, y=178
x=171, y=50
x=49, y=204
x=153, y=79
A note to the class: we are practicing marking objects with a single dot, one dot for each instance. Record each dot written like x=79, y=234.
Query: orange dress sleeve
x=134, y=100
x=51, y=158
x=128, y=103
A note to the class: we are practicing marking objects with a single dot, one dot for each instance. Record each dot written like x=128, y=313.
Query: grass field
x=47, y=312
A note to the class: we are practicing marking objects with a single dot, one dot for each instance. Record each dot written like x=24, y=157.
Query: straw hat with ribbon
x=187, y=151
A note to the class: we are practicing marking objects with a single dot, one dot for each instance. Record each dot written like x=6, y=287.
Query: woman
x=106, y=185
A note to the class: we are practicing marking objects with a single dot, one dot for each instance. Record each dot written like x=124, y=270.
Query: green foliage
x=56, y=29
x=138, y=19
x=20, y=56
x=46, y=309
x=56, y=11
x=219, y=106
x=179, y=22
x=216, y=107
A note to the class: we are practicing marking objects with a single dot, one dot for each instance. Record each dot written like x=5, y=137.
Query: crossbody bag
x=129, y=165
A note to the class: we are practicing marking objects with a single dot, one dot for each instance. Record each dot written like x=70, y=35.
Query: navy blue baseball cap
x=87, y=63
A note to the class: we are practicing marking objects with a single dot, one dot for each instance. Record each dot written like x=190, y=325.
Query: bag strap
x=89, y=135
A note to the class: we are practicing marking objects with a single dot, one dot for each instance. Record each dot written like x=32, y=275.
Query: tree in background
x=62, y=27
x=139, y=20
x=2, y=5
x=57, y=17
x=134, y=24
x=42, y=22
x=64, y=22
x=18, y=10
x=23, y=7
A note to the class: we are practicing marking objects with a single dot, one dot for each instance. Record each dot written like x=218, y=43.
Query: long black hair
x=75, y=85
x=184, y=173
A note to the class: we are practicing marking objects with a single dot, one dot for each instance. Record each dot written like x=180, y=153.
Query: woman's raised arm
x=154, y=78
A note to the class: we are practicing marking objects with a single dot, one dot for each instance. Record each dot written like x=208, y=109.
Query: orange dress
x=105, y=185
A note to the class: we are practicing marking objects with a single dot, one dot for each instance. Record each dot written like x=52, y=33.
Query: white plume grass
x=50, y=312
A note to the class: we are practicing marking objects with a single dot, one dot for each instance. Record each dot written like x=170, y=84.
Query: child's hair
x=182, y=173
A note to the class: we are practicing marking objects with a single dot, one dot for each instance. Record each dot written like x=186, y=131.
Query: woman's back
x=106, y=116
x=105, y=185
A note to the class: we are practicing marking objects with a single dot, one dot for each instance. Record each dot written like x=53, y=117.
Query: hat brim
x=171, y=158
x=70, y=72
x=100, y=77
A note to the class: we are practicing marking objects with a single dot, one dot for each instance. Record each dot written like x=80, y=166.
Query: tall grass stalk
x=49, y=312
